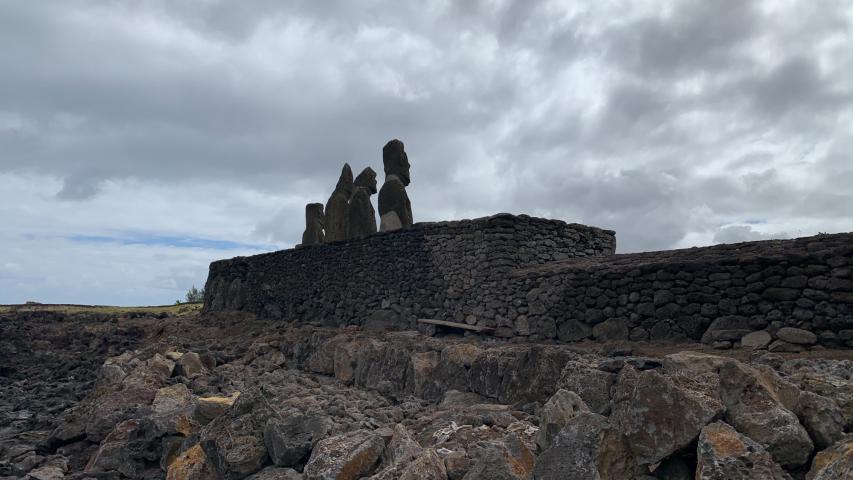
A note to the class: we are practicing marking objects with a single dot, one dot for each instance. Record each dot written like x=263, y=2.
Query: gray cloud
x=674, y=123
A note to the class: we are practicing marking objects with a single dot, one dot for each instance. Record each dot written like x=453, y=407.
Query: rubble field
x=227, y=396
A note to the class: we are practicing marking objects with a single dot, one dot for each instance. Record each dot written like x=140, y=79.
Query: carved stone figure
x=362, y=217
x=314, y=220
x=395, y=209
x=337, y=208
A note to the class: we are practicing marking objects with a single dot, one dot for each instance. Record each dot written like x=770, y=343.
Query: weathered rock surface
x=347, y=456
x=234, y=443
x=190, y=365
x=830, y=379
x=426, y=466
x=755, y=406
x=589, y=447
x=834, y=463
x=276, y=473
x=590, y=383
x=796, y=336
x=555, y=415
x=467, y=405
x=506, y=459
x=289, y=440
x=191, y=465
x=661, y=414
x=756, y=340
x=725, y=454
x=822, y=419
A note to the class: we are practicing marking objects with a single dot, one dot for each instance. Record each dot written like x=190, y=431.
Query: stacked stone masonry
x=714, y=294
x=545, y=279
x=453, y=271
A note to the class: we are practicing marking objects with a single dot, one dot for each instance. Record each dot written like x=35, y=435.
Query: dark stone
x=663, y=297
x=572, y=330
x=613, y=329
x=588, y=448
x=725, y=454
x=781, y=294
x=796, y=335
x=289, y=440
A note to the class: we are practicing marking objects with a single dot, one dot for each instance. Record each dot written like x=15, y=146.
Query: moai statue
x=314, y=220
x=395, y=210
x=362, y=217
x=337, y=208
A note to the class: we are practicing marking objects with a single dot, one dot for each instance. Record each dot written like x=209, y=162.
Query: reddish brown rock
x=347, y=456
x=725, y=454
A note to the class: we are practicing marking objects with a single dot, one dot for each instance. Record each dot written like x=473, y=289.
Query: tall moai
x=395, y=209
x=337, y=208
x=362, y=217
x=314, y=220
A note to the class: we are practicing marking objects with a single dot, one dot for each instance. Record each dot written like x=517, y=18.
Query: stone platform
x=520, y=276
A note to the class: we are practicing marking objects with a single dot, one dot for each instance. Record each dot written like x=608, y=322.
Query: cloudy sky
x=139, y=140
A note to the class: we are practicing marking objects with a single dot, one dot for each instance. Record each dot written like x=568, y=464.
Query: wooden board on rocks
x=463, y=326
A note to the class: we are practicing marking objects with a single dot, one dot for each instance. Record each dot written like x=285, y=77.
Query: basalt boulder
x=724, y=454
x=588, y=448
x=759, y=405
x=347, y=456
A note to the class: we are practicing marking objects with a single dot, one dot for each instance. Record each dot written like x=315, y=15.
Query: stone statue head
x=345, y=181
x=366, y=179
x=314, y=213
x=396, y=161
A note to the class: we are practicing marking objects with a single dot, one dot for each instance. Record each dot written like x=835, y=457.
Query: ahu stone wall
x=456, y=271
x=714, y=294
x=529, y=278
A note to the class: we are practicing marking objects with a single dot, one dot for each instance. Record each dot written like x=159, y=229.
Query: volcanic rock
x=757, y=408
x=822, y=419
x=289, y=441
x=588, y=448
x=556, y=413
x=591, y=384
x=796, y=336
x=661, y=414
x=725, y=454
x=833, y=463
x=756, y=340
x=347, y=456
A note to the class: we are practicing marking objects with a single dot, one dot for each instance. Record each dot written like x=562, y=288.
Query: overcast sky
x=140, y=140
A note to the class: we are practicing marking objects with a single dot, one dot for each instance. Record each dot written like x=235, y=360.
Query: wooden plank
x=463, y=326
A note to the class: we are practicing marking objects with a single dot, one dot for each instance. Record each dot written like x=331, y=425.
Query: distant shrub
x=194, y=295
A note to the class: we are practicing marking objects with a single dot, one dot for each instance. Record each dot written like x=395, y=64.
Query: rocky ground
x=107, y=396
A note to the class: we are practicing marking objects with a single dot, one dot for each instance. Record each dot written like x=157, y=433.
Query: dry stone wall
x=453, y=271
x=542, y=279
x=714, y=294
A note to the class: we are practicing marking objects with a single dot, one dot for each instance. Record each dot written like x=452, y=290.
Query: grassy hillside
x=172, y=310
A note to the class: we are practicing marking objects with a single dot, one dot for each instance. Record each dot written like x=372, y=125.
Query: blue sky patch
x=170, y=241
